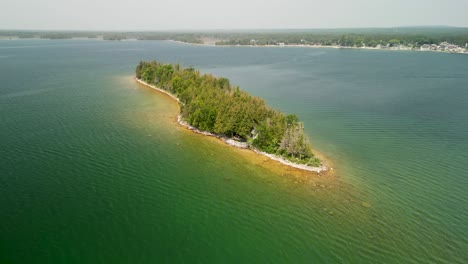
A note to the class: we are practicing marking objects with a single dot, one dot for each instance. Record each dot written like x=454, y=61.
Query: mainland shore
x=320, y=169
x=382, y=48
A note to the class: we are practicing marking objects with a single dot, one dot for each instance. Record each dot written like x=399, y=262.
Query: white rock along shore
x=235, y=143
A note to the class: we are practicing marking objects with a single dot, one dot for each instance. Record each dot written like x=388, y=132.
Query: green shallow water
x=94, y=169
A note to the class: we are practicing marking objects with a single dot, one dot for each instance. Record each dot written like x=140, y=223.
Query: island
x=212, y=106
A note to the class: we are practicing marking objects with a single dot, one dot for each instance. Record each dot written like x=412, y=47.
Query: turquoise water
x=94, y=169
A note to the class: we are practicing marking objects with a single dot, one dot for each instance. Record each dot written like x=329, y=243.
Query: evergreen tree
x=212, y=104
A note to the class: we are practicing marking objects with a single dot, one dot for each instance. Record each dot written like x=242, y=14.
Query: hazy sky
x=233, y=14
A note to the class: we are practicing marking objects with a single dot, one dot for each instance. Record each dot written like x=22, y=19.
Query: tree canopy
x=212, y=104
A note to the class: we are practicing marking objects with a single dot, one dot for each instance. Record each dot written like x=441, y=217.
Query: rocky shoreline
x=235, y=143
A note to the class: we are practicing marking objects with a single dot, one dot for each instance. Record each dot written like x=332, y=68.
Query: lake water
x=95, y=170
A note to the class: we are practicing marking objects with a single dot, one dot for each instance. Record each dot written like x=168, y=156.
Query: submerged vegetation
x=212, y=104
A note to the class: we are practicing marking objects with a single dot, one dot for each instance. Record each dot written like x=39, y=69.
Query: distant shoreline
x=404, y=48
x=322, y=168
x=458, y=50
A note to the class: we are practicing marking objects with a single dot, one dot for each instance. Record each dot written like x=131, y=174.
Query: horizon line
x=239, y=29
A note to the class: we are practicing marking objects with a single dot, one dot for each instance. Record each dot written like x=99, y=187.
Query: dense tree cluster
x=212, y=104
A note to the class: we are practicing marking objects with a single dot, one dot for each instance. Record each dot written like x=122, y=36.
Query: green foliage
x=212, y=104
x=294, y=142
x=394, y=42
x=291, y=119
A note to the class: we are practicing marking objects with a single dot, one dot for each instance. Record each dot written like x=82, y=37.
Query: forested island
x=212, y=104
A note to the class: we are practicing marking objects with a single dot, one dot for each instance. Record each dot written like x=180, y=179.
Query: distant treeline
x=341, y=37
x=351, y=37
x=179, y=36
x=48, y=34
x=212, y=104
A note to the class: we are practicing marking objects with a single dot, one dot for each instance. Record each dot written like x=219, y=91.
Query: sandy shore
x=158, y=89
x=234, y=143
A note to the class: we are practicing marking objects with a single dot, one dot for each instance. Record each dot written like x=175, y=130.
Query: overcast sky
x=232, y=14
